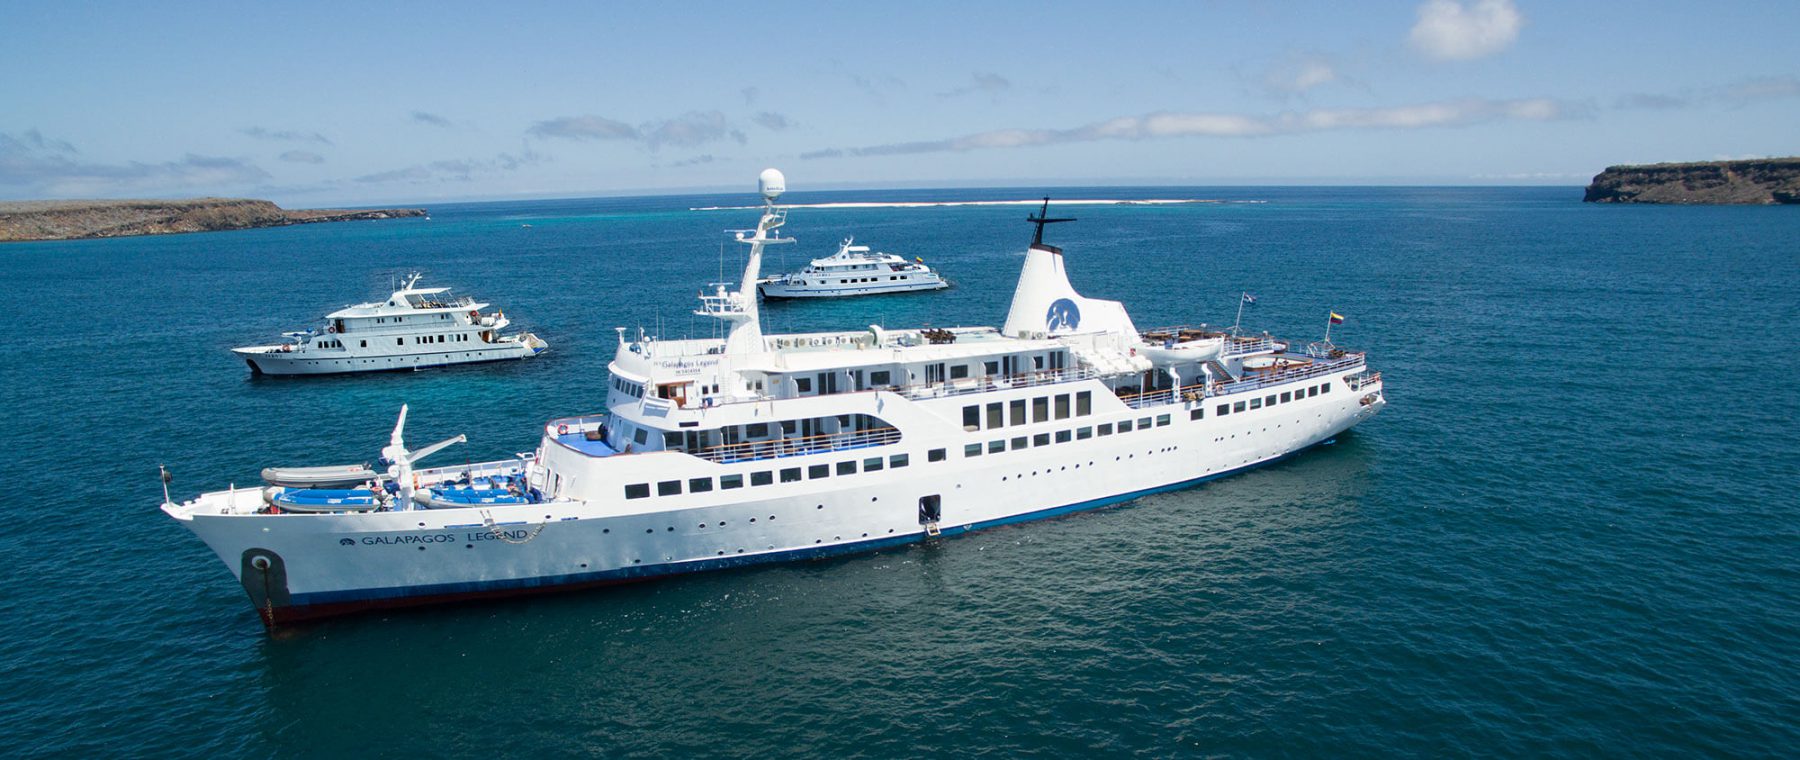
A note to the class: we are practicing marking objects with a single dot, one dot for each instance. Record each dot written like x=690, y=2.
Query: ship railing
x=749, y=451
x=1289, y=374
x=987, y=383
x=572, y=425
x=512, y=466
x=1252, y=344
x=1363, y=380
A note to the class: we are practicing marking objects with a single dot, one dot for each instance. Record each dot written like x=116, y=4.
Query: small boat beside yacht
x=413, y=328
x=853, y=271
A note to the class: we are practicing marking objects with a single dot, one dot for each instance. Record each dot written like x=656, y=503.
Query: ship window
x=640, y=436
x=1041, y=439
x=996, y=415
x=727, y=482
x=1037, y=361
x=1161, y=420
x=1286, y=397
x=1256, y=403
x=1062, y=406
x=1084, y=403
x=1223, y=410
x=897, y=461
x=668, y=488
x=1124, y=426
x=1237, y=407
x=790, y=475
x=1084, y=433
x=1143, y=423
x=637, y=491
x=972, y=450
x=1019, y=443
x=699, y=485
x=846, y=468
x=879, y=377
x=788, y=426
x=399, y=341
x=971, y=418
x=1196, y=413
x=365, y=344
x=1064, y=436
x=814, y=472
x=1040, y=409
x=757, y=429
x=803, y=384
x=995, y=447
x=935, y=455
x=1017, y=409
x=1326, y=388
x=992, y=368
x=1313, y=391
x=872, y=464
x=1105, y=429
x=762, y=478
x=959, y=371
x=1270, y=401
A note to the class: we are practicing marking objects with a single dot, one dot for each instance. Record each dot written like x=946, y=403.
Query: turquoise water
x=1574, y=531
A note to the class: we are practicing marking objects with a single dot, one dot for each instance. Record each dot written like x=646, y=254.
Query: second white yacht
x=853, y=271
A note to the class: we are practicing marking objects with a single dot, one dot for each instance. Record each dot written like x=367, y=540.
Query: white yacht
x=853, y=271
x=755, y=448
x=414, y=328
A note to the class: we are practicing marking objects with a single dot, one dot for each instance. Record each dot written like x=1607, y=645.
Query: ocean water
x=1574, y=531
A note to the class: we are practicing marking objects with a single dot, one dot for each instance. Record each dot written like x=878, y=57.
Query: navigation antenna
x=1040, y=219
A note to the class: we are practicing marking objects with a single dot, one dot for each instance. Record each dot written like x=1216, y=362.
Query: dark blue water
x=1575, y=530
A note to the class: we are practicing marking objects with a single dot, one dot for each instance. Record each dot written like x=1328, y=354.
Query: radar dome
x=771, y=184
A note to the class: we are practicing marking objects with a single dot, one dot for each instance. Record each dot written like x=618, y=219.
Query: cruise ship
x=756, y=448
x=853, y=271
x=413, y=328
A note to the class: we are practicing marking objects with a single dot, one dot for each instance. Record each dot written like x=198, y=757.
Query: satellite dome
x=771, y=184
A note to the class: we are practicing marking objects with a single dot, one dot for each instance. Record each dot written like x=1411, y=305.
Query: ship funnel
x=1046, y=304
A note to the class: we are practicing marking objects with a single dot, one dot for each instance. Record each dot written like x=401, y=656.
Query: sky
x=322, y=103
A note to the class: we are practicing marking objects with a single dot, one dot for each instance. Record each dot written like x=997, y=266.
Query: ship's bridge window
x=640, y=436
x=992, y=367
x=803, y=385
x=880, y=377
x=959, y=371
x=1037, y=361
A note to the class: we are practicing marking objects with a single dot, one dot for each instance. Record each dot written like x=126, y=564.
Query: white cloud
x=1174, y=125
x=34, y=165
x=1297, y=76
x=1449, y=30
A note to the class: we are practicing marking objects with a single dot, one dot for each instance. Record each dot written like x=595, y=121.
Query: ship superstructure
x=413, y=328
x=758, y=448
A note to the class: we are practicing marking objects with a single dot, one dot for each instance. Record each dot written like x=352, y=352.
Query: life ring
x=331, y=328
x=562, y=429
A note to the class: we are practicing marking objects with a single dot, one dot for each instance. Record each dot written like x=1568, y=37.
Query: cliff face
x=64, y=220
x=1771, y=180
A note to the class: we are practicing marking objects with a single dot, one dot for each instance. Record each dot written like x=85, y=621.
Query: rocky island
x=1757, y=181
x=68, y=220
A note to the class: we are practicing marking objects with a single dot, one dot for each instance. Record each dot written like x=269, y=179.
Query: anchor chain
x=487, y=519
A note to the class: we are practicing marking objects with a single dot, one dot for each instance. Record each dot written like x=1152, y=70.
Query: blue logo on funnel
x=1063, y=315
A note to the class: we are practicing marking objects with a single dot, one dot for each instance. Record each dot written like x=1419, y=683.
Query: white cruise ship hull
x=299, y=567
x=272, y=360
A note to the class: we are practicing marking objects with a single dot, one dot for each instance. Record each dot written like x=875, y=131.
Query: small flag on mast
x=1249, y=298
x=921, y=261
x=1336, y=318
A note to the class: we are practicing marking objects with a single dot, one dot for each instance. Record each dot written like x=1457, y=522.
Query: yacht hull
x=268, y=361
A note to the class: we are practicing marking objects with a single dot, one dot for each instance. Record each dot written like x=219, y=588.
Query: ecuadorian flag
x=1336, y=318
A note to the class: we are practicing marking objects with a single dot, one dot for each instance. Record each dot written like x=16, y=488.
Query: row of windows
x=635, y=390
x=998, y=414
x=1064, y=436
x=423, y=339
x=866, y=279
x=1271, y=400
x=786, y=475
